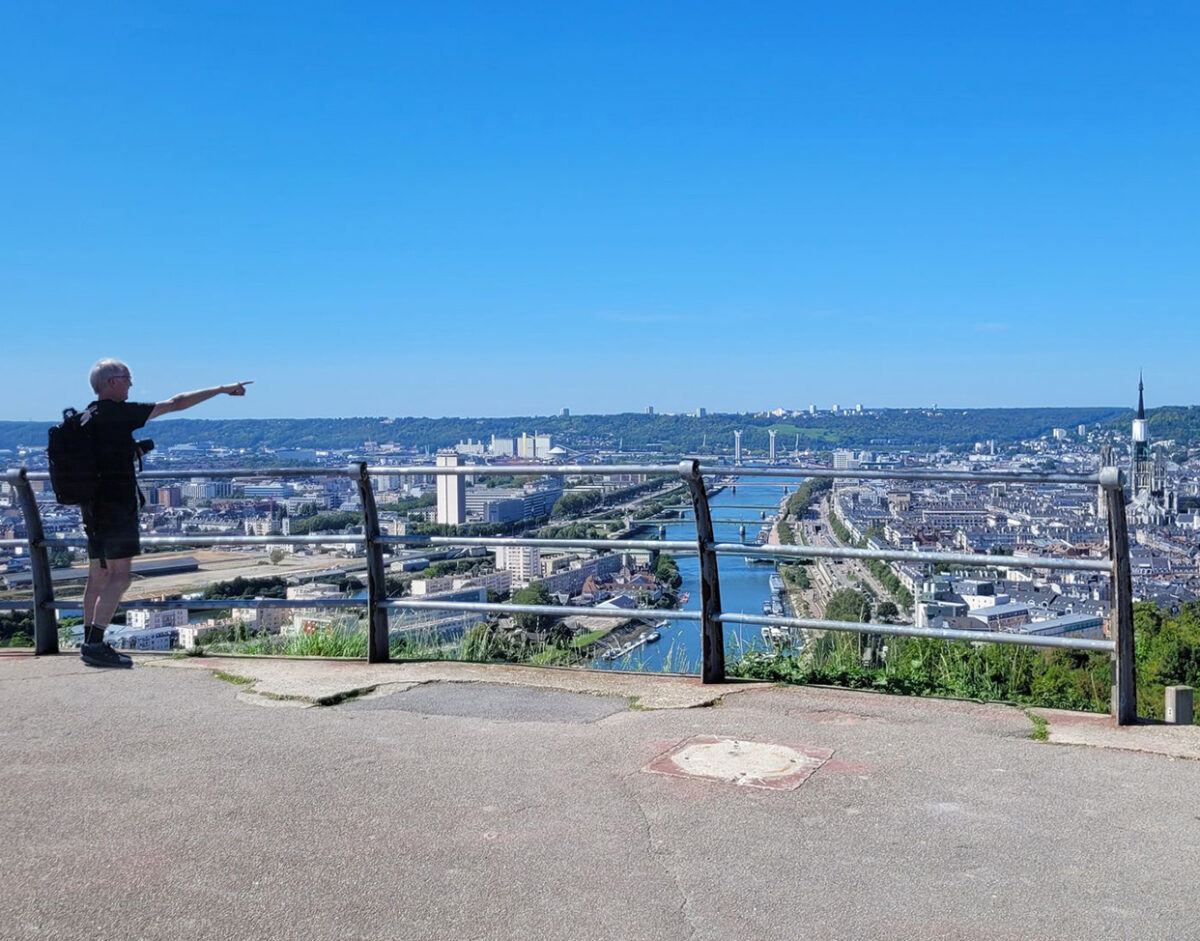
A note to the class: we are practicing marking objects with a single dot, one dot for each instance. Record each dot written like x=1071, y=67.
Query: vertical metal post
x=1124, y=690
x=45, y=627
x=377, y=618
x=712, y=632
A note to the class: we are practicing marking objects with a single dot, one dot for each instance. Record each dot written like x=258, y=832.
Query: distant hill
x=887, y=428
x=1178, y=422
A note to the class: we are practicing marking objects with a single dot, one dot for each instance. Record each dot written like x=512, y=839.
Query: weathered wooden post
x=712, y=633
x=45, y=626
x=377, y=617
x=1124, y=689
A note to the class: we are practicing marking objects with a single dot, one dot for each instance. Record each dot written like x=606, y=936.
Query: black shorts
x=112, y=530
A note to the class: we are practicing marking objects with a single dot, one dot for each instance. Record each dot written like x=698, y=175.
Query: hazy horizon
x=197, y=414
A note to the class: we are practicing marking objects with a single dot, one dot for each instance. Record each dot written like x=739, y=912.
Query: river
x=744, y=587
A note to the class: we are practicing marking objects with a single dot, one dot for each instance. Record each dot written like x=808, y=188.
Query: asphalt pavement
x=239, y=798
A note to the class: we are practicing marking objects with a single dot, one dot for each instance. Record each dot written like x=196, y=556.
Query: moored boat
x=776, y=636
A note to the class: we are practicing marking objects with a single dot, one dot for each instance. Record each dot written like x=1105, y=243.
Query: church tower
x=1141, y=468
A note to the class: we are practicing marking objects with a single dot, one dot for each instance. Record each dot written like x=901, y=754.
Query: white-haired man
x=111, y=520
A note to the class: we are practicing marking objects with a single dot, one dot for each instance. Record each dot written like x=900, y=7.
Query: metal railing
x=711, y=617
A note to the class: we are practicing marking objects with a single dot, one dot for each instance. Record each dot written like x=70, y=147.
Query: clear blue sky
x=506, y=208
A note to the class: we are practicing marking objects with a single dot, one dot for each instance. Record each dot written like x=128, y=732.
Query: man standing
x=111, y=520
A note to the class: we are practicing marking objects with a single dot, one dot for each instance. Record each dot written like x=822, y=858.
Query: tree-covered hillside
x=922, y=428
x=1180, y=423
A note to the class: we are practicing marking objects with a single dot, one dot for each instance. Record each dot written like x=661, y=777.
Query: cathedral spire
x=1142, y=461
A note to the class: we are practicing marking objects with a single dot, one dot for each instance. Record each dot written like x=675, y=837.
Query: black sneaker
x=102, y=655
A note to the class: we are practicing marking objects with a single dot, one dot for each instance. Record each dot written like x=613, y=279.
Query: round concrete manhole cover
x=747, y=764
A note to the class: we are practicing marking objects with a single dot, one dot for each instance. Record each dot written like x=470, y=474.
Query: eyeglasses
x=123, y=375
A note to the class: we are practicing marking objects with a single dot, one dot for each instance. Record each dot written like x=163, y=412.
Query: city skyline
x=485, y=212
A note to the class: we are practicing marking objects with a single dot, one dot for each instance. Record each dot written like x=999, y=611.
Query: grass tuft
x=233, y=678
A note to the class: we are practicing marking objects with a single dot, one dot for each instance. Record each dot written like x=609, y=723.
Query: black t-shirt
x=115, y=448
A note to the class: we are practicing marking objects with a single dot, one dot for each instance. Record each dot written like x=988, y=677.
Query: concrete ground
x=237, y=798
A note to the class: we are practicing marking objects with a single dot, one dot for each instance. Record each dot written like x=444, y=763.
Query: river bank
x=744, y=587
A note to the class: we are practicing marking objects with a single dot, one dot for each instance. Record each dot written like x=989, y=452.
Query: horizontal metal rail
x=556, y=610
x=622, y=614
x=529, y=470
x=989, y=477
x=407, y=470
x=218, y=604
x=185, y=540
x=907, y=630
x=558, y=470
x=226, y=473
x=693, y=472
x=324, y=539
x=198, y=604
x=926, y=558
x=481, y=607
x=613, y=545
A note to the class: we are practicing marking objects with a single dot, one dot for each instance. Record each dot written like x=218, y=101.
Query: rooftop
x=209, y=797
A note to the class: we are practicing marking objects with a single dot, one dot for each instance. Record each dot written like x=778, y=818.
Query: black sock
x=93, y=634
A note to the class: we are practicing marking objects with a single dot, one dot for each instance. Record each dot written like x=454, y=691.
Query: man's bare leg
x=101, y=596
x=97, y=579
x=110, y=591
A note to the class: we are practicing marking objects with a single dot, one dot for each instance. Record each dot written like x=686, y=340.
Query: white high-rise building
x=503, y=447
x=534, y=447
x=844, y=460
x=451, y=492
x=524, y=562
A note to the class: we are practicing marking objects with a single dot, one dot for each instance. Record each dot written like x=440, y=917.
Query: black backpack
x=74, y=467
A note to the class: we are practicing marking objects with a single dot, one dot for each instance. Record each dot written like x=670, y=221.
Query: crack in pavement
x=660, y=857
